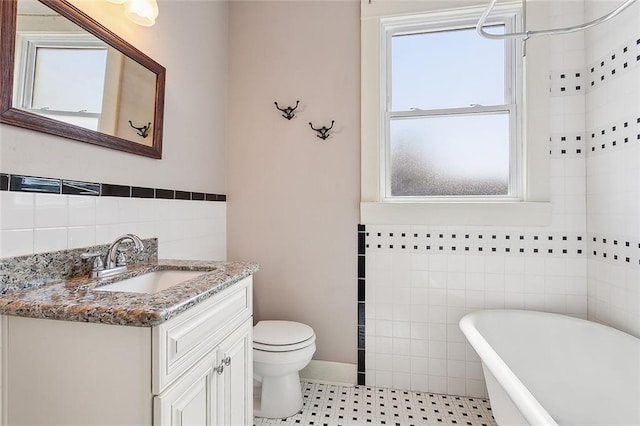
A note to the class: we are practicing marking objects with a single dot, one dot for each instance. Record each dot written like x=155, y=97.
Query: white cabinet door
x=191, y=408
x=192, y=400
x=217, y=391
x=235, y=384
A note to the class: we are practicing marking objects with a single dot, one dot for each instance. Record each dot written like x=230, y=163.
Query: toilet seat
x=284, y=348
x=282, y=336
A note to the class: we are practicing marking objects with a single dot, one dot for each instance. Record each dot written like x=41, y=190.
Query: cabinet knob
x=227, y=361
x=219, y=369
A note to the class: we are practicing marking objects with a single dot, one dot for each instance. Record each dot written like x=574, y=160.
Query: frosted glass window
x=451, y=116
x=446, y=69
x=69, y=79
x=461, y=155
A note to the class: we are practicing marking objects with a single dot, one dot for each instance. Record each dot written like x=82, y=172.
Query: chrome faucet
x=114, y=263
x=113, y=259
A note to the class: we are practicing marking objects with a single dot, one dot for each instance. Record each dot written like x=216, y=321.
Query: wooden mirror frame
x=20, y=118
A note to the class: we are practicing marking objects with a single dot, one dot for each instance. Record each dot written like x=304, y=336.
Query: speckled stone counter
x=74, y=299
x=40, y=269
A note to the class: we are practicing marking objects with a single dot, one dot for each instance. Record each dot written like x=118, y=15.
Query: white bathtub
x=549, y=369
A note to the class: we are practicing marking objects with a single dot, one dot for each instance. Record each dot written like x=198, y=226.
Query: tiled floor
x=330, y=405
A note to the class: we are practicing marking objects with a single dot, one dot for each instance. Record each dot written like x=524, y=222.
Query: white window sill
x=456, y=213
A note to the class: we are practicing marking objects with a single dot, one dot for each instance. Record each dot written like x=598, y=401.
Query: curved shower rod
x=525, y=35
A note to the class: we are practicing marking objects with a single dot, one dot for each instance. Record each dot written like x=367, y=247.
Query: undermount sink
x=151, y=282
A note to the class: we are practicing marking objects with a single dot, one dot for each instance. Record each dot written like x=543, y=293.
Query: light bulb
x=142, y=12
x=116, y=1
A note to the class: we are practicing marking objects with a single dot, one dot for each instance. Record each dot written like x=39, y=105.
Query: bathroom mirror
x=65, y=74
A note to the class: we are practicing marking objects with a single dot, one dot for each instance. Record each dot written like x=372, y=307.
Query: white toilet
x=280, y=350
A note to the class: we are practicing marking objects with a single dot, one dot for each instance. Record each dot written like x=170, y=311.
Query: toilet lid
x=281, y=333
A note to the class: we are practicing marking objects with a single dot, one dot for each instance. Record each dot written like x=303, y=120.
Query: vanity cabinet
x=216, y=391
x=193, y=369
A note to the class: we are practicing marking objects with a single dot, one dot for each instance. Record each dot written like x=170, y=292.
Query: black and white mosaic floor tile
x=331, y=405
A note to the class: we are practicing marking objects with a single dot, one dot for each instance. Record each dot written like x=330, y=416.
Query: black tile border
x=47, y=185
x=514, y=244
x=139, y=192
x=183, y=195
x=165, y=194
x=4, y=182
x=72, y=187
x=602, y=70
x=35, y=184
x=361, y=306
x=109, y=190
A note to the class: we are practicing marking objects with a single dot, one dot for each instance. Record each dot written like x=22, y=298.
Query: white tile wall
x=17, y=211
x=613, y=163
x=416, y=296
x=32, y=223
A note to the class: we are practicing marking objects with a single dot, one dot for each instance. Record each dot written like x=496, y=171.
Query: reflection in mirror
x=76, y=73
x=67, y=74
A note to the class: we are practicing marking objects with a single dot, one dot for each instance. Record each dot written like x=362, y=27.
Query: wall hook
x=288, y=111
x=323, y=132
x=142, y=131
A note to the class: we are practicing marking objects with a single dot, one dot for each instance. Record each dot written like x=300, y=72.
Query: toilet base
x=277, y=397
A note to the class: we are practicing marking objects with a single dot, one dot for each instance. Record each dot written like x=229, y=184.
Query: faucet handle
x=98, y=264
x=90, y=255
x=121, y=259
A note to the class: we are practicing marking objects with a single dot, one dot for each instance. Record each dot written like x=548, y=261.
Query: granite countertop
x=75, y=299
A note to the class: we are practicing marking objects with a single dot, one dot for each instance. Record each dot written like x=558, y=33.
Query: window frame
x=535, y=208
x=512, y=90
x=27, y=44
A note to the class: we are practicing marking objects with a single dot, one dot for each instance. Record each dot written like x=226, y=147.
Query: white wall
x=613, y=179
x=190, y=41
x=293, y=198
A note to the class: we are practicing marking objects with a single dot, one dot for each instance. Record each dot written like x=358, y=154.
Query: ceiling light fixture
x=142, y=12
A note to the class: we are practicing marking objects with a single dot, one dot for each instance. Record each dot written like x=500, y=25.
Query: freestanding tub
x=549, y=369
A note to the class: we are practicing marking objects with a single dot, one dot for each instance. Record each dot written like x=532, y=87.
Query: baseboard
x=337, y=373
